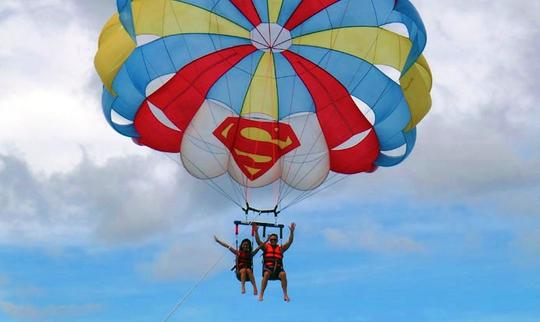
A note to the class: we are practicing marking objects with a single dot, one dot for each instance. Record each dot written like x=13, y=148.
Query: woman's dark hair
x=249, y=243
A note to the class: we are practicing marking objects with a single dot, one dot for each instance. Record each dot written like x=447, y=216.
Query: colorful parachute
x=290, y=92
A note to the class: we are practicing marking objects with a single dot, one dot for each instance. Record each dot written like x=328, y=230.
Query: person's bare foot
x=260, y=298
x=255, y=292
x=286, y=298
x=243, y=290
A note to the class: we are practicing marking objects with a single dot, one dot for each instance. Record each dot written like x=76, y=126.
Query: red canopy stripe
x=305, y=10
x=182, y=96
x=339, y=117
x=247, y=8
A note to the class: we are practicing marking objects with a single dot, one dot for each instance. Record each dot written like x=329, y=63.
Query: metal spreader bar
x=274, y=211
x=264, y=225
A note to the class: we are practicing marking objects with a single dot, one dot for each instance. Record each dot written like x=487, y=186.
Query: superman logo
x=256, y=145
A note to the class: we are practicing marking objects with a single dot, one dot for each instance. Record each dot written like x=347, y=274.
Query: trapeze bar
x=274, y=211
x=261, y=224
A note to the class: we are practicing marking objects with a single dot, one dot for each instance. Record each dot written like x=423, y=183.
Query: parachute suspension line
x=233, y=184
x=295, y=152
x=192, y=289
x=209, y=181
x=333, y=180
x=289, y=189
x=309, y=194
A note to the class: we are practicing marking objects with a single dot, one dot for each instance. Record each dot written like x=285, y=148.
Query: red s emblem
x=256, y=145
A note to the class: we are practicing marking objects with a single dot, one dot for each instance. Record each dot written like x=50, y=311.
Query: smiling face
x=273, y=239
x=245, y=245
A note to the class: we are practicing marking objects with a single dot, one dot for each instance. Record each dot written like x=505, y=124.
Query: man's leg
x=266, y=276
x=283, y=278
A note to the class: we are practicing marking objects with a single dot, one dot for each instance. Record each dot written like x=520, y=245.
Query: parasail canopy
x=252, y=93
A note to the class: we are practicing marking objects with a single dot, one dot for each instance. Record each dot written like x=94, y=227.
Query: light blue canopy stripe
x=347, y=13
x=293, y=96
x=126, y=16
x=406, y=13
x=161, y=57
x=409, y=139
x=107, y=102
x=262, y=9
x=287, y=9
x=232, y=87
x=223, y=8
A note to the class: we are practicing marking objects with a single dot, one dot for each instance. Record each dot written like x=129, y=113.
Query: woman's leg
x=243, y=275
x=252, y=279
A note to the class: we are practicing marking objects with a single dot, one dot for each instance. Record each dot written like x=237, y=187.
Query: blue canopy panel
x=262, y=9
x=371, y=86
x=293, y=96
x=107, y=103
x=125, y=13
x=287, y=9
x=409, y=139
x=406, y=14
x=161, y=57
x=225, y=9
x=347, y=13
x=231, y=88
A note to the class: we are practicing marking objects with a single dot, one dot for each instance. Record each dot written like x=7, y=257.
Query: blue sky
x=94, y=228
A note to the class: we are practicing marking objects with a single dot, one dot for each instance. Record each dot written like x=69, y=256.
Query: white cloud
x=48, y=111
x=131, y=199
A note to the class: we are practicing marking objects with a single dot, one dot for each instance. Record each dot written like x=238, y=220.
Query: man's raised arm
x=291, y=237
x=257, y=237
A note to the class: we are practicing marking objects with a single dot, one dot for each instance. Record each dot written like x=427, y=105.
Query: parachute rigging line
x=210, y=182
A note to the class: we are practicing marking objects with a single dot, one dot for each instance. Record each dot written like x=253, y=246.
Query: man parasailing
x=273, y=260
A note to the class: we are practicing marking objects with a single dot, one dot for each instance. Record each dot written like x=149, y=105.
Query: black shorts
x=274, y=272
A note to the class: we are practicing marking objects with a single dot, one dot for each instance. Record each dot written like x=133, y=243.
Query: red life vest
x=273, y=256
x=244, y=260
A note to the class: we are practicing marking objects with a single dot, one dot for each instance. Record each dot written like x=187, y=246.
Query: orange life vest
x=273, y=256
x=244, y=260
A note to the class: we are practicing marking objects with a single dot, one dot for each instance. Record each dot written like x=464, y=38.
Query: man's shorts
x=274, y=272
